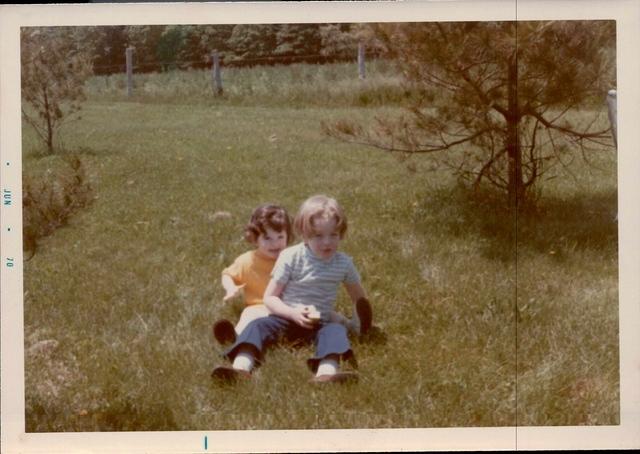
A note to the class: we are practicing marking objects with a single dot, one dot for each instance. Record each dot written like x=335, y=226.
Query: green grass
x=119, y=303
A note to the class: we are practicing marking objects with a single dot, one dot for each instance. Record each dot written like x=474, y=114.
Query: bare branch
x=568, y=131
x=422, y=148
x=487, y=166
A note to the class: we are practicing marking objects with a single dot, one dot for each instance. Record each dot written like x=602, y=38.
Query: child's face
x=325, y=238
x=271, y=243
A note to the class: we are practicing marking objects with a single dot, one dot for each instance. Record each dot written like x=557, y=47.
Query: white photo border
x=625, y=435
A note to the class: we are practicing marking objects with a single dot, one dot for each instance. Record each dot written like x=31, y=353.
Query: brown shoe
x=229, y=374
x=365, y=315
x=224, y=332
x=340, y=377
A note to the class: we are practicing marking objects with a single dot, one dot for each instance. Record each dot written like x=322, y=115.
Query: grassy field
x=119, y=302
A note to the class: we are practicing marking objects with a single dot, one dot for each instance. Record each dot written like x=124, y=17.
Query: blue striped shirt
x=310, y=280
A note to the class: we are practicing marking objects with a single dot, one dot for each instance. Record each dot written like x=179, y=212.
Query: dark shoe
x=224, y=332
x=365, y=315
x=229, y=374
x=340, y=377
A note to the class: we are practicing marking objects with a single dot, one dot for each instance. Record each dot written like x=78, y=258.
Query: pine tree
x=171, y=42
x=498, y=93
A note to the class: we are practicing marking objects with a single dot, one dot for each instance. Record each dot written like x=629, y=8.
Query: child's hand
x=299, y=315
x=313, y=315
x=233, y=292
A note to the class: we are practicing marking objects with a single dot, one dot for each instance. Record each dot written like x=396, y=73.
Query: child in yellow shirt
x=269, y=229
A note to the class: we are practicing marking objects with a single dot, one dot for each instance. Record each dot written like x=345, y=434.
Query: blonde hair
x=315, y=207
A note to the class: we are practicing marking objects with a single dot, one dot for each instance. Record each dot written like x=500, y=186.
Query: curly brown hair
x=268, y=215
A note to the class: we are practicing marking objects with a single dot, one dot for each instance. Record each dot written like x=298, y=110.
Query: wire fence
x=231, y=61
x=216, y=61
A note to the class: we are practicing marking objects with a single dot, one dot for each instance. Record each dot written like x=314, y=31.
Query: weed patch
x=50, y=200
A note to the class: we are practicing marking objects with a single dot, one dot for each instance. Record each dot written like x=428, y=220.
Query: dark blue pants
x=329, y=338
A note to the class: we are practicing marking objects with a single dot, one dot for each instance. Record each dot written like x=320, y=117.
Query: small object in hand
x=313, y=315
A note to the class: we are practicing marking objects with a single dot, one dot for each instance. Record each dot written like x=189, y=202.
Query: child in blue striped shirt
x=301, y=297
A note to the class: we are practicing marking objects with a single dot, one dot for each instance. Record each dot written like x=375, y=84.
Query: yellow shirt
x=254, y=270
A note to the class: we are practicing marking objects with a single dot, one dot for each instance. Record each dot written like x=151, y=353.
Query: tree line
x=164, y=47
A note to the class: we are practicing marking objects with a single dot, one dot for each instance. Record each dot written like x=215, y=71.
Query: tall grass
x=471, y=304
x=294, y=85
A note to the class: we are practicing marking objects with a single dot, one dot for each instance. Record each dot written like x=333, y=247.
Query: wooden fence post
x=215, y=73
x=129, y=56
x=612, y=102
x=361, y=73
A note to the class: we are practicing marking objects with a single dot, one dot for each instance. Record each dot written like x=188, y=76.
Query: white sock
x=243, y=361
x=327, y=366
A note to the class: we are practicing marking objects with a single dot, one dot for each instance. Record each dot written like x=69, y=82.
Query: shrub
x=54, y=68
x=49, y=203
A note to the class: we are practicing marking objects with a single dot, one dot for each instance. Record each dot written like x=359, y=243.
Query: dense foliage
x=161, y=47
